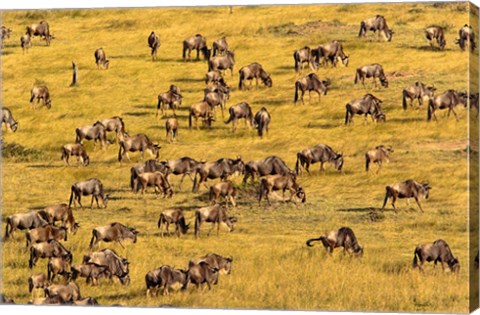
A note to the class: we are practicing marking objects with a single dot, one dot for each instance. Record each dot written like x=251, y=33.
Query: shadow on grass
x=407, y=119
x=189, y=80
x=367, y=209
x=44, y=166
x=321, y=126
x=137, y=114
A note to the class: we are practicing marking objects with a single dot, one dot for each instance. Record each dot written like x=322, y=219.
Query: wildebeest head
x=390, y=34
x=86, y=160
x=134, y=233
x=454, y=265
x=300, y=193
x=345, y=61
x=326, y=83
x=156, y=150
x=384, y=82
x=74, y=227
x=206, y=52
x=238, y=165
x=125, y=280
x=425, y=190
x=267, y=81
x=48, y=103
x=380, y=116
x=338, y=162
x=14, y=126
x=68, y=257
x=229, y=222
x=105, y=200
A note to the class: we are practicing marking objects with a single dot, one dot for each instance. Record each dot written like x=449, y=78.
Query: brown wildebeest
x=66, y=292
x=436, y=33
x=155, y=179
x=330, y=52
x=373, y=71
x=77, y=150
x=222, y=168
x=222, y=62
x=449, y=99
x=8, y=120
x=198, y=43
x=4, y=34
x=201, y=273
x=23, y=221
x=41, y=29
x=44, y=234
x=183, y=166
x=176, y=217
x=418, y=91
x=408, y=189
x=271, y=183
x=213, y=76
x=40, y=92
x=368, y=105
x=271, y=165
x=344, y=237
x=215, y=214
x=301, y=56
x=62, y=213
x=37, y=281
x=48, y=249
x=154, y=43
x=92, y=186
x=203, y=110
x=217, y=96
x=148, y=166
x=47, y=301
x=379, y=155
x=91, y=271
x=239, y=111
x=310, y=83
x=113, y=232
x=117, y=265
x=253, y=71
x=467, y=37
x=224, y=189
x=262, y=120
x=171, y=126
x=376, y=23
x=166, y=278
x=95, y=132
x=115, y=124
x=25, y=42
x=88, y=301
x=220, y=45
x=438, y=251
x=139, y=142
x=320, y=153
x=171, y=99
x=58, y=266
x=223, y=264
x=101, y=59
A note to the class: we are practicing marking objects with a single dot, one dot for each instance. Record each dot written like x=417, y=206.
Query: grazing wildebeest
x=320, y=153
x=467, y=36
x=220, y=45
x=438, y=251
x=154, y=44
x=44, y=234
x=217, y=96
x=41, y=29
x=77, y=150
x=37, y=281
x=66, y=292
x=197, y=42
x=225, y=189
x=23, y=221
x=95, y=132
x=449, y=99
x=176, y=217
x=310, y=83
x=8, y=120
x=203, y=110
x=373, y=71
x=115, y=124
x=379, y=155
x=91, y=271
x=117, y=266
x=92, y=186
x=271, y=165
x=436, y=33
x=148, y=166
x=4, y=34
x=301, y=56
x=222, y=62
x=343, y=237
x=51, y=248
x=408, y=189
x=215, y=214
x=418, y=91
x=261, y=121
x=201, y=273
x=58, y=266
x=170, y=99
x=171, y=126
x=239, y=111
x=214, y=76
x=101, y=59
x=166, y=278
x=223, y=264
x=139, y=142
x=155, y=179
x=40, y=92
x=253, y=71
x=25, y=42
x=330, y=52
x=221, y=168
x=376, y=23
x=271, y=183
x=113, y=232
x=183, y=166
x=368, y=105
x=62, y=213
x=88, y=301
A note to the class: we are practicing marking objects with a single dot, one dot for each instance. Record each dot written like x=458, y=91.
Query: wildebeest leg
x=322, y=169
x=394, y=198
x=78, y=197
x=232, y=200
x=211, y=229
x=319, y=96
x=91, y=204
x=418, y=203
x=456, y=117
x=120, y=242
x=168, y=228
x=379, y=166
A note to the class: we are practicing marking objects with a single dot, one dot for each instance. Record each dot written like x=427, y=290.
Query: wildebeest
x=343, y=237
x=101, y=59
x=271, y=165
x=51, y=248
x=373, y=71
x=58, y=266
x=113, y=232
x=407, y=189
x=222, y=168
x=330, y=52
x=154, y=43
x=5, y=299
x=8, y=120
x=139, y=142
x=418, y=91
x=95, y=132
x=40, y=29
x=169, y=98
x=155, y=179
x=379, y=155
x=4, y=34
x=23, y=221
x=302, y=56
x=171, y=126
x=62, y=213
x=44, y=234
x=220, y=45
x=438, y=251
x=261, y=121
x=117, y=266
x=223, y=264
x=148, y=166
x=55, y=300
x=215, y=214
x=217, y=96
x=201, y=110
x=66, y=292
x=225, y=189
x=467, y=37
x=198, y=43
x=115, y=124
x=201, y=273
x=86, y=301
x=310, y=83
x=253, y=71
x=77, y=150
x=214, y=76
x=271, y=183
x=176, y=217
x=92, y=186
x=222, y=62
x=436, y=33
x=449, y=99
x=40, y=92
x=91, y=271
x=183, y=166
x=368, y=105
x=376, y=23
x=320, y=153
x=37, y=281
x=25, y=42
x=239, y=111
x=165, y=278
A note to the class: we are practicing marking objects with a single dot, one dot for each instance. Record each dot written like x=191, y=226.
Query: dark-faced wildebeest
x=92, y=186
x=61, y=213
x=117, y=265
x=44, y=234
x=418, y=91
x=183, y=166
x=25, y=42
x=23, y=221
x=139, y=142
x=116, y=125
x=51, y=248
x=166, y=278
x=223, y=264
x=154, y=43
x=201, y=110
x=376, y=23
x=4, y=34
x=368, y=105
x=155, y=179
x=407, y=189
x=171, y=126
x=68, y=293
x=225, y=189
x=449, y=99
x=467, y=37
x=302, y=56
x=222, y=168
x=8, y=120
x=436, y=33
x=215, y=214
x=95, y=132
x=148, y=166
x=176, y=217
x=310, y=83
x=271, y=183
x=222, y=62
x=198, y=43
x=261, y=121
x=40, y=92
x=373, y=71
x=37, y=281
x=320, y=153
x=40, y=29
x=170, y=99
x=253, y=71
x=438, y=251
x=58, y=266
x=91, y=271
x=343, y=237
x=220, y=45
x=330, y=52
x=379, y=155
x=201, y=273
x=271, y=165
x=113, y=232
x=217, y=97
x=75, y=149
x=239, y=111
x=101, y=59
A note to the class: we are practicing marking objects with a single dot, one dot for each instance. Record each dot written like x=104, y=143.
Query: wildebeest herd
x=44, y=239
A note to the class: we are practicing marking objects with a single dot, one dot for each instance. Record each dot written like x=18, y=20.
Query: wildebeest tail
x=122, y=146
x=295, y=99
x=415, y=259
x=347, y=111
x=184, y=50
x=240, y=80
x=190, y=120
x=297, y=164
x=310, y=241
x=367, y=161
x=9, y=223
x=296, y=61
x=404, y=101
x=197, y=223
x=132, y=178
x=27, y=240
x=362, y=29
x=232, y=114
x=194, y=182
x=30, y=262
x=94, y=236
x=30, y=285
x=77, y=138
x=388, y=194
x=160, y=220
x=71, y=196
x=357, y=76
x=429, y=111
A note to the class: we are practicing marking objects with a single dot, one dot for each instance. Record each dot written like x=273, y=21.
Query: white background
x=48, y=4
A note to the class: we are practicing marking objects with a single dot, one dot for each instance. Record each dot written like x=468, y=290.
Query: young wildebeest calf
x=58, y=266
x=114, y=232
x=408, y=189
x=379, y=155
x=92, y=272
x=176, y=217
x=201, y=273
x=280, y=182
x=38, y=93
x=23, y=221
x=418, y=91
x=224, y=189
x=262, y=120
x=92, y=186
x=25, y=42
x=165, y=277
x=344, y=237
x=436, y=33
x=213, y=214
x=101, y=59
x=439, y=251
x=77, y=150
x=155, y=179
x=171, y=125
x=37, y=281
